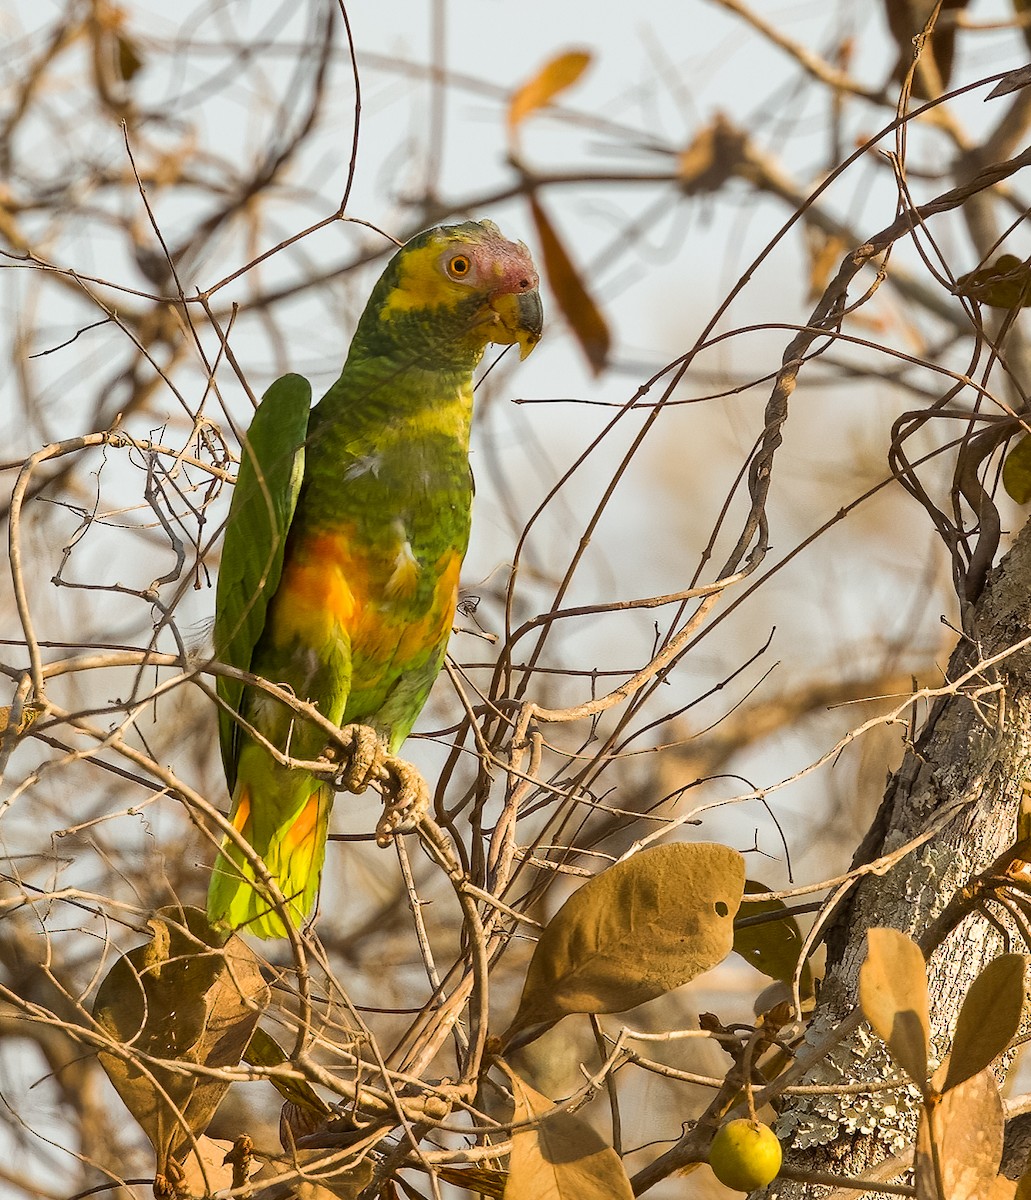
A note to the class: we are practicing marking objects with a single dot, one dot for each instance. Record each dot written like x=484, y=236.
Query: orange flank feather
x=329, y=588
x=380, y=638
x=322, y=587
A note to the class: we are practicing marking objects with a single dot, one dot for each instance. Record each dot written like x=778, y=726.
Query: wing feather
x=262, y=508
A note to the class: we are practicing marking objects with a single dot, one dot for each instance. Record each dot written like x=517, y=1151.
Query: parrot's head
x=450, y=291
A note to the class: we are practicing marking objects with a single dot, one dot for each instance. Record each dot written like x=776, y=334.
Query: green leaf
x=639, y=929
x=967, y=1127
x=772, y=947
x=1016, y=472
x=264, y=499
x=989, y=1018
x=560, y=1157
x=1005, y=283
x=893, y=995
x=184, y=997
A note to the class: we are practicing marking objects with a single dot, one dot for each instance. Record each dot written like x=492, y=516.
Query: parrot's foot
x=364, y=761
x=361, y=755
x=406, y=798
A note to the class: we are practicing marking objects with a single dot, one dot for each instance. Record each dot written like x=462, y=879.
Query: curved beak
x=520, y=319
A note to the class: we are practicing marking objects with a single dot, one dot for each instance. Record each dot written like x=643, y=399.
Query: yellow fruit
x=745, y=1155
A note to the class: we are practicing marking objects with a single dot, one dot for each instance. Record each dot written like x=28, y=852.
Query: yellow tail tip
x=239, y=902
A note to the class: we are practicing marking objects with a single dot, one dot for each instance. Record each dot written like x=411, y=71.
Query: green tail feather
x=293, y=855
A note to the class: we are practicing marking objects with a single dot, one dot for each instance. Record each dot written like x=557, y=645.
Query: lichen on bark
x=975, y=749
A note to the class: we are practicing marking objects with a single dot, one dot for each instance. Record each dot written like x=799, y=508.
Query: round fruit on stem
x=745, y=1155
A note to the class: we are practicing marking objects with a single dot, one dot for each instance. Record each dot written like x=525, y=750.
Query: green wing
x=267, y=487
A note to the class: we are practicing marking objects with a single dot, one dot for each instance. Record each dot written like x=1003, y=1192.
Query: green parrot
x=342, y=552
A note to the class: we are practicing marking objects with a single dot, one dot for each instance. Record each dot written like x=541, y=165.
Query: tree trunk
x=975, y=749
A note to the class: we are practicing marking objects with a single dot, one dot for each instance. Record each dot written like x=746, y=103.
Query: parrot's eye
x=458, y=267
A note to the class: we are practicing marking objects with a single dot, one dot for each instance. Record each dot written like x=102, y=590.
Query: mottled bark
x=976, y=748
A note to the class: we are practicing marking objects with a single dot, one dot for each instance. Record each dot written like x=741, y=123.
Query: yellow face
x=470, y=269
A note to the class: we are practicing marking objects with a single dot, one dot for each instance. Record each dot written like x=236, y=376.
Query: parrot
x=341, y=557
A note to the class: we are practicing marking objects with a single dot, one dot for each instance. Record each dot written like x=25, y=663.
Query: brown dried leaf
x=825, y=252
x=561, y=1157
x=184, y=997
x=555, y=76
x=989, y=1018
x=1020, y=7
x=893, y=995
x=907, y=21
x=485, y=1181
x=717, y=152
x=637, y=930
x=584, y=317
x=26, y=718
x=130, y=60
x=343, y=1184
x=205, y=1169
x=968, y=1126
x=297, y=1121
x=1015, y=80
x=1005, y=283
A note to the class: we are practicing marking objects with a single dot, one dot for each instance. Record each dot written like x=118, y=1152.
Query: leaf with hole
x=893, y=995
x=188, y=996
x=559, y=1157
x=634, y=932
x=989, y=1018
